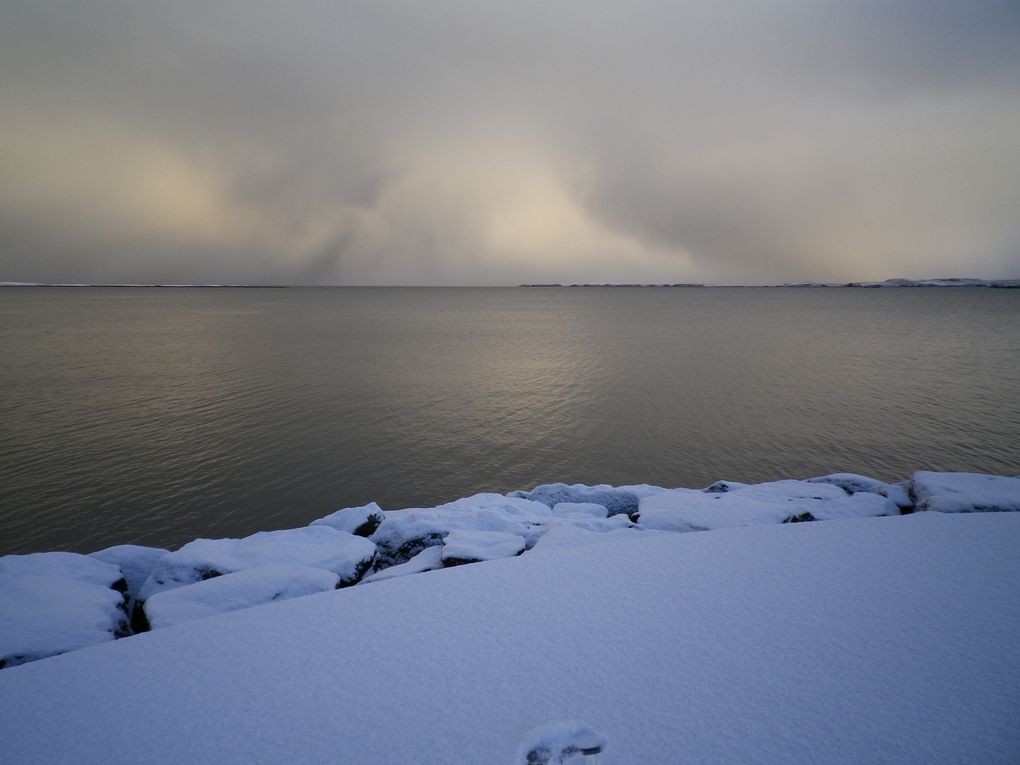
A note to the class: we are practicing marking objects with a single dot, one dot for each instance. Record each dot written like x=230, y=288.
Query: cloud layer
x=495, y=143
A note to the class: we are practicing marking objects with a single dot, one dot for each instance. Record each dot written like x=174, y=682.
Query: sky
x=472, y=142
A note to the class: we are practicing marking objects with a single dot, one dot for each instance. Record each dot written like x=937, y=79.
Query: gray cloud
x=473, y=143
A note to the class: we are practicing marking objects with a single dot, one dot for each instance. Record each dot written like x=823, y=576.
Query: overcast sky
x=473, y=142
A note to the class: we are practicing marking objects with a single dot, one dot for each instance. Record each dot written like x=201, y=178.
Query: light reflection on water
x=156, y=416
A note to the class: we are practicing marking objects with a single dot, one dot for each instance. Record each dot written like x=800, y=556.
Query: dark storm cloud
x=465, y=142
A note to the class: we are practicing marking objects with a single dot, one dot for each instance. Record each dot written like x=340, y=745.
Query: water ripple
x=156, y=416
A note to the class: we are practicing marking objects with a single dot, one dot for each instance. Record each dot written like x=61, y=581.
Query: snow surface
x=574, y=535
x=885, y=640
x=559, y=742
x=362, y=521
x=346, y=555
x=243, y=589
x=476, y=546
x=763, y=503
x=965, y=492
x=134, y=561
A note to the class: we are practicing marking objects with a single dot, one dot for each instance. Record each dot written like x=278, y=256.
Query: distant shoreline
x=948, y=282
x=163, y=286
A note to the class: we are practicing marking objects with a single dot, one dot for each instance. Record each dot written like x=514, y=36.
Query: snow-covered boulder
x=44, y=615
x=590, y=509
x=231, y=592
x=852, y=483
x=405, y=533
x=721, y=487
x=775, y=502
x=474, y=546
x=64, y=565
x=346, y=555
x=134, y=561
x=579, y=521
x=361, y=521
x=51, y=603
x=965, y=492
x=616, y=499
x=429, y=559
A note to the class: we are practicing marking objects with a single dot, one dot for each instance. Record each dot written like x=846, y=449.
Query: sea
x=158, y=415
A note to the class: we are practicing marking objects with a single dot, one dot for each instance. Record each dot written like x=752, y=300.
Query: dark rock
x=801, y=518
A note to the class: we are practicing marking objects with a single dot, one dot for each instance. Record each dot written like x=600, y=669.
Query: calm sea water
x=156, y=416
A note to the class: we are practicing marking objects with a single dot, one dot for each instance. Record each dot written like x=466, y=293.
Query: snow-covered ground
x=599, y=568
x=872, y=640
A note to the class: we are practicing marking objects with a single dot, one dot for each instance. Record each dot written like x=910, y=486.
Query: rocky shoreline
x=55, y=602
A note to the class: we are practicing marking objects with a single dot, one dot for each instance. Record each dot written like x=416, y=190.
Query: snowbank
x=852, y=641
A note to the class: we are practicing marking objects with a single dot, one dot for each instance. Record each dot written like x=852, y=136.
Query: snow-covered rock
x=134, y=561
x=852, y=483
x=44, y=615
x=556, y=743
x=232, y=592
x=361, y=521
x=63, y=565
x=775, y=502
x=721, y=487
x=405, y=533
x=55, y=602
x=428, y=559
x=965, y=492
x=579, y=521
x=346, y=555
x=461, y=547
x=591, y=509
x=616, y=499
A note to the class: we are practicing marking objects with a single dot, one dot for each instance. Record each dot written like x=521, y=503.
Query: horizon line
x=893, y=282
